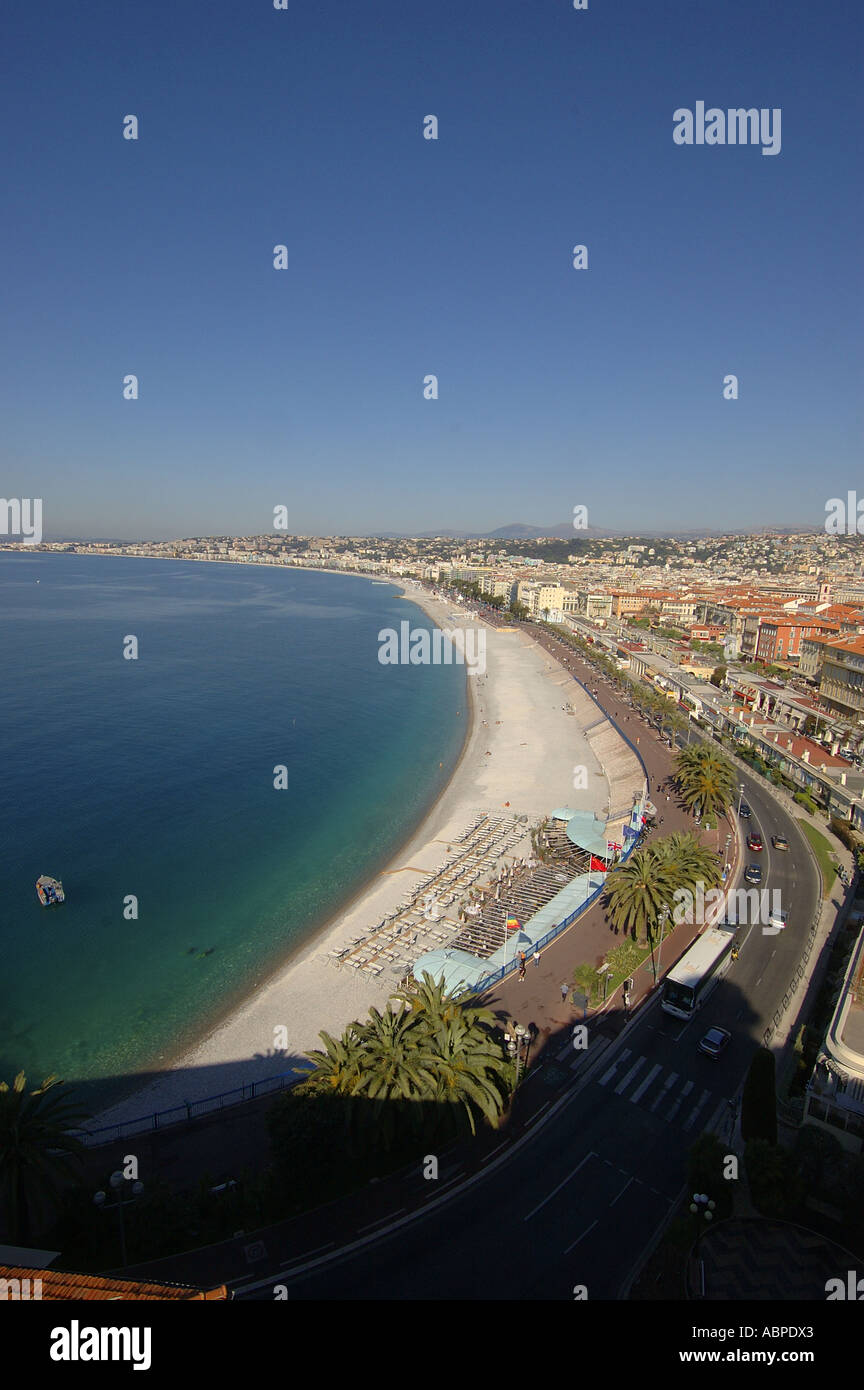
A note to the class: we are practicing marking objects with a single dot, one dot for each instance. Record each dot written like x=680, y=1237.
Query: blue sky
x=303, y=387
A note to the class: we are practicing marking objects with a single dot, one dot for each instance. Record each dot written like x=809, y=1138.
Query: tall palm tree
x=705, y=778
x=337, y=1066
x=691, y=860
x=36, y=1150
x=637, y=892
x=471, y=1066
x=430, y=997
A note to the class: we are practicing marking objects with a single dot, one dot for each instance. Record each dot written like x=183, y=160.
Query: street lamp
x=100, y=1200
x=515, y=1044
x=740, y=797
x=702, y=1208
x=661, y=922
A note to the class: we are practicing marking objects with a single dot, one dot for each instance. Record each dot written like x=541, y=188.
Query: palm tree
x=36, y=1150
x=471, y=1066
x=336, y=1068
x=705, y=779
x=691, y=860
x=430, y=998
x=638, y=890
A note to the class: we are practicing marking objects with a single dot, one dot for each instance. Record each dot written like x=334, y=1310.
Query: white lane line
x=685, y=1091
x=621, y=1193
x=381, y=1220
x=494, y=1151
x=625, y=1082
x=309, y=1254
x=661, y=1095
x=696, y=1108
x=614, y=1067
x=640, y=1091
x=557, y=1189
x=582, y=1237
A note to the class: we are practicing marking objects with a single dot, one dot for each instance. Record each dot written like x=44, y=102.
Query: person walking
x=536, y=957
x=565, y=990
x=521, y=971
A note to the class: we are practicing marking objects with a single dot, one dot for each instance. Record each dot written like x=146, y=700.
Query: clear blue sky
x=406, y=257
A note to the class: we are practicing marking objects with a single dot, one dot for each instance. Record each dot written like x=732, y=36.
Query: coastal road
x=579, y=1197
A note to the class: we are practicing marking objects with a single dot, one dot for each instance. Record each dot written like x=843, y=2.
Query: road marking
x=614, y=1067
x=542, y=1204
x=582, y=1237
x=666, y=1089
x=640, y=1091
x=685, y=1091
x=695, y=1111
x=623, y=1190
x=492, y=1153
x=640, y=1062
x=294, y=1258
x=381, y=1219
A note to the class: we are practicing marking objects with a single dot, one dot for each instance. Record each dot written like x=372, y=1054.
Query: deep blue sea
x=155, y=778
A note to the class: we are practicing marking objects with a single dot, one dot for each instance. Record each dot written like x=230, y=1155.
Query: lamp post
x=521, y=1038
x=702, y=1208
x=100, y=1200
x=740, y=797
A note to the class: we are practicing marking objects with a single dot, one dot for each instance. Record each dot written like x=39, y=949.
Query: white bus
x=707, y=960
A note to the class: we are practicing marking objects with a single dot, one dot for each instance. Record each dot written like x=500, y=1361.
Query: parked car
x=754, y=842
x=753, y=873
x=779, y=842
x=715, y=1041
x=745, y=811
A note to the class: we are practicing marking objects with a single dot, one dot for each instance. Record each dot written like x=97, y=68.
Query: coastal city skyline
x=432, y=618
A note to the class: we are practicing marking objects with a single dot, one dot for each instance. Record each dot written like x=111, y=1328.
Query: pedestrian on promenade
x=565, y=990
x=521, y=971
x=536, y=957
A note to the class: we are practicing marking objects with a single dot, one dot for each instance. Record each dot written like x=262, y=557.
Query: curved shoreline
x=519, y=752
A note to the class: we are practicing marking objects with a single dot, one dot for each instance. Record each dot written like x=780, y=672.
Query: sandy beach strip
x=521, y=749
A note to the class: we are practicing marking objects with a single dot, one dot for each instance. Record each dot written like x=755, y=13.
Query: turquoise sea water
x=155, y=778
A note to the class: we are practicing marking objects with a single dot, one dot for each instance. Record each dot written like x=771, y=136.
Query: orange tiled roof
x=58, y=1286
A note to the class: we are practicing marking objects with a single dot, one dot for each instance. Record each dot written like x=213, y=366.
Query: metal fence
x=189, y=1110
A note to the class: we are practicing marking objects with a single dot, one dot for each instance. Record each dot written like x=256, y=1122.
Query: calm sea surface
x=155, y=778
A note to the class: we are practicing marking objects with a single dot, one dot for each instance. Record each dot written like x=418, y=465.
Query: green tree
x=706, y=780
x=637, y=891
x=759, y=1100
x=36, y=1150
x=774, y=1184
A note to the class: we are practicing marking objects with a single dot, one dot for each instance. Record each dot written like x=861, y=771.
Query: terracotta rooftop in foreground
x=58, y=1286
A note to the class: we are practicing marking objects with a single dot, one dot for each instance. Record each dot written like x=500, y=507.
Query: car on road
x=754, y=842
x=779, y=842
x=777, y=921
x=753, y=873
x=715, y=1041
x=745, y=813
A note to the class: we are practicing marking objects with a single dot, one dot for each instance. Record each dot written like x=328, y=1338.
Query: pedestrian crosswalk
x=664, y=1093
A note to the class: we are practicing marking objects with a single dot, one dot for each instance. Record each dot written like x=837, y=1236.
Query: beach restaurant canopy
x=584, y=830
x=461, y=969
